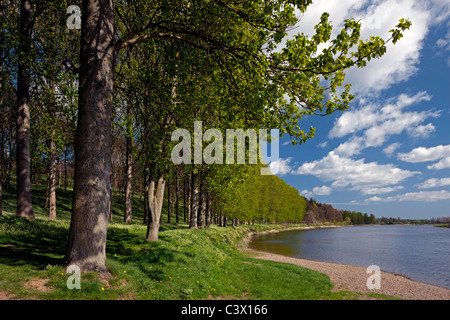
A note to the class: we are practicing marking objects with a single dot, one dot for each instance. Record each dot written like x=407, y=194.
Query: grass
x=183, y=264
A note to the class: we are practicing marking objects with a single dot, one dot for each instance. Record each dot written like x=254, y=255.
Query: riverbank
x=351, y=278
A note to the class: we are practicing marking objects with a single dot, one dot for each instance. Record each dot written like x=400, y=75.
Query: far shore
x=351, y=278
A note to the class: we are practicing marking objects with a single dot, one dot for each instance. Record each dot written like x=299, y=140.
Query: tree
x=91, y=201
x=24, y=204
x=237, y=37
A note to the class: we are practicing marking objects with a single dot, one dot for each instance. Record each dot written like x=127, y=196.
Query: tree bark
x=201, y=206
x=128, y=217
x=177, y=191
x=24, y=204
x=146, y=190
x=52, y=181
x=155, y=203
x=194, y=200
x=169, y=205
x=1, y=179
x=208, y=211
x=91, y=197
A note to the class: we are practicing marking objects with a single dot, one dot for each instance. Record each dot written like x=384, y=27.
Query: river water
x=419, y=252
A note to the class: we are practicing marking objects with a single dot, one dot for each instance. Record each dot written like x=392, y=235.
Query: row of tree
x=109, y=96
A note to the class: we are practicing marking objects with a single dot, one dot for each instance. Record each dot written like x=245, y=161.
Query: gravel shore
x=353, y=278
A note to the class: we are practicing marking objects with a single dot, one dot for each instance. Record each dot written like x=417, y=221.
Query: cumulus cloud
x=373, y=123
x=423, y=154
x=357, y=174
x=380, y=190
x=422, y=196
x=400, y=61
x=378, y=121
x=281, y=166
x=322, y=191
x=389, y=150
x=350, y=147
x=433, y=182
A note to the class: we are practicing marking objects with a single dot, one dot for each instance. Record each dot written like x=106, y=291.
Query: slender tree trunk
x=65, y=169
x=91, y=198
x=169, y=206
x=1, y=179
x=52, y=181
x=194, y=200
x=128, y=217
x=155, y=203
x=59, y=171
x=177, y=191
x=24, y=204
x=185, y=198
x=146, y=190
x=208, y=211
x=201, y=206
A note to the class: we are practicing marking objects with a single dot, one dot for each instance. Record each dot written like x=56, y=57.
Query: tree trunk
x=208, y=211
x=185, y=198
x=201, y=206
x=24, y=205
x=155, y=203
x=1, y=178
x=169, y=206
x=52, y=181
x=65, y=169
x=128, y=217
x=177, y=191
x=194, y=200
x=91, y=197
x=146, y=190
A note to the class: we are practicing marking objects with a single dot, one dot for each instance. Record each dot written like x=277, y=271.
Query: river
x=419, y=252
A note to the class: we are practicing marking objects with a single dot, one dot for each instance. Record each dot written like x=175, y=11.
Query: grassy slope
x=184, y=264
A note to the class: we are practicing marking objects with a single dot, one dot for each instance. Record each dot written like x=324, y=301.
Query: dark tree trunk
x=91, y=199
x=24, y=205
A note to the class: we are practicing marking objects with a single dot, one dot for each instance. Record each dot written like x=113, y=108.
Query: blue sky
x=389, y=154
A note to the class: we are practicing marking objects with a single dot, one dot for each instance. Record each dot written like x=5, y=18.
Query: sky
x=389, y=153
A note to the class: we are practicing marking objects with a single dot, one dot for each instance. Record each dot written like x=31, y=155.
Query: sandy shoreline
x=352, y=278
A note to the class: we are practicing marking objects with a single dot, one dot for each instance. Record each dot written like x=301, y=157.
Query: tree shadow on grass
x=31, y=242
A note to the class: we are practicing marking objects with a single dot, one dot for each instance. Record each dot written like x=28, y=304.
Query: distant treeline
x=441, y=220
x=317, y=212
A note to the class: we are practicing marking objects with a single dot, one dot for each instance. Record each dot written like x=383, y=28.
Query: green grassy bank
x=183, y=264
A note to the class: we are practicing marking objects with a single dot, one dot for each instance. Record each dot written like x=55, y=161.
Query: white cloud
x=379, y=122
x=422, y=196
x=433, y=182
x=281, y=166
x=423, y=154
x=355, y=173
x=389, y=150
x=422, y=131
x=380, y=190
x=351, y=147
x=322, y=191
x=442, y=164
x=377, y=17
